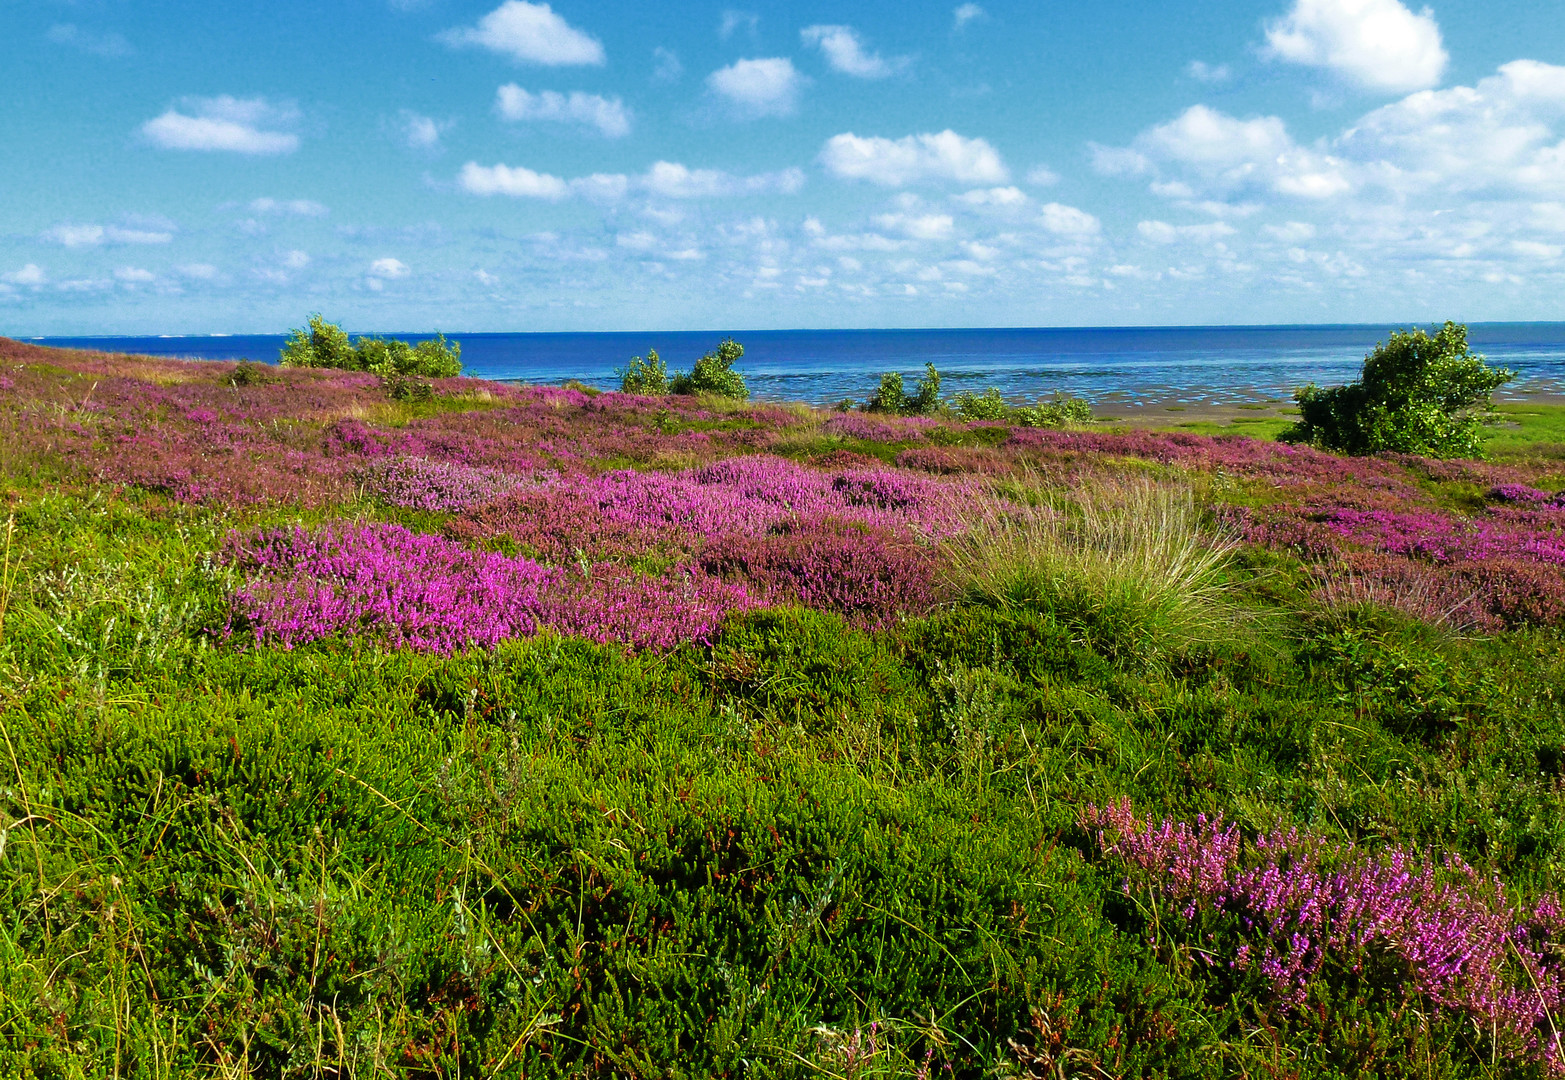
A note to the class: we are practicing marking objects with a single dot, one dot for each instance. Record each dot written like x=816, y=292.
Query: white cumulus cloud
x=1506, y=133
x=913, y=158
x=1062, y=220
x=1226, y=154
x=918, y=226
x=1375, y=44
x=31, y=274
x=966, y=13
x=420, y=132
x=72, y=235
x=519, y=182
x=845, y=52
x=238, y=125
x=388, y=268
x=134, y=275
x=1161, y=232
x=531, y=33
x=665, y=179
x=997, y=196
x=676, y=181
x=607, y=116
x=766, y=87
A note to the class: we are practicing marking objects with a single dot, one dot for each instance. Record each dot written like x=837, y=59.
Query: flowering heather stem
x=1294, y=902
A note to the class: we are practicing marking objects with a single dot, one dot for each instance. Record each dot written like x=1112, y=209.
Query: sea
x=1182, y=365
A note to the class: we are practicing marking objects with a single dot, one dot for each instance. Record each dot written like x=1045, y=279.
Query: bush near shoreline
x=517, y=731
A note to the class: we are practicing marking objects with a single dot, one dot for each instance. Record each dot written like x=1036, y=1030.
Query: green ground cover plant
x=1061, y=781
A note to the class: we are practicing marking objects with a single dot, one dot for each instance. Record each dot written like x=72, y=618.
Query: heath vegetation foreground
x=362, y=720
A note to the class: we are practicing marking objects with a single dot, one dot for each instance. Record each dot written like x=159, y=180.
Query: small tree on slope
x=1417, y=395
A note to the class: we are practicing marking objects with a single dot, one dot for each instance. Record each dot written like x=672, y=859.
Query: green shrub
x=989, y=405
x=327, y=345
x=1417, y=395
x=891, y=398
x=648, y=377
x=249, y=373
x=714, y=374
x=1062, y=410
x=324, y=345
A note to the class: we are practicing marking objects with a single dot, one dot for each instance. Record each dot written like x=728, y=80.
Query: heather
x=525, y=731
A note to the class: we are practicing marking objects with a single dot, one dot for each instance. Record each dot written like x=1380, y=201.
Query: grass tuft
x=1129, y=565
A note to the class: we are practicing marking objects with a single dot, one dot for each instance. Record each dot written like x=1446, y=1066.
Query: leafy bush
x=1060, y=411
x=648, y=377
x=249, y=373
x=324, y=345
x=1417, y=395
x=891, y=398
x=714, y=374
x=327, y=345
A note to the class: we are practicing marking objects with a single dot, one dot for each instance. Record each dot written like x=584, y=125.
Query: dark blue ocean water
x=1107, y=365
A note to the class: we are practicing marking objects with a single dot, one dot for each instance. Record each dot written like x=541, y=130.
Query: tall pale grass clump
x=1130, y=566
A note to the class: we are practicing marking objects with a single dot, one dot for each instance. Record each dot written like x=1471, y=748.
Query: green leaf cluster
x=1417, y=395
x=714, y=374
x=891, y=398
x=1062, y=410
x=648, y=377
x=327, y=345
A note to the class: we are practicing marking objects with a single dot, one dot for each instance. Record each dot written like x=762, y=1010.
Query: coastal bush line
x=955, y=830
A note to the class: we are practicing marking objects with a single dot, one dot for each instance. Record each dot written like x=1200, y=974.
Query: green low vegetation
x=804, y=845
x=804, y=849
x=326, y=345
x=712, y=375
x=891, y=398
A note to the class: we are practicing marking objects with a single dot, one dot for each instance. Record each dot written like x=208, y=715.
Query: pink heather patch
x=758, y=494
x=1442, y=539
x=440, y=486
x=1298, y=902
x=1518, y=493
x=407, y=589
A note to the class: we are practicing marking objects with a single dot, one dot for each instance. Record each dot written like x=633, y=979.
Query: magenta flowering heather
x=386, y=582
x=407, y=589
x=756, y=494
x=1441, y=538
x=1518, y=493
x=1295, y=902
x=440, y=486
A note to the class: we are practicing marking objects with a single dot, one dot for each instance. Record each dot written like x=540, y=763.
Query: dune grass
x=1132, y=566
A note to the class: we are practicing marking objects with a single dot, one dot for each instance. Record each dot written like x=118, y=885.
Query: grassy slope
x=733, y=860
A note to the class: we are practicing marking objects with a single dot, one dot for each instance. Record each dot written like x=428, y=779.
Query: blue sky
x=413, y=164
